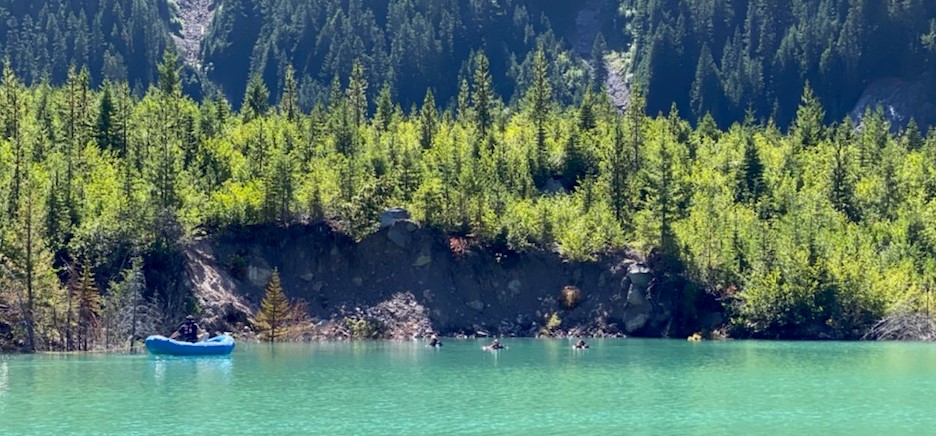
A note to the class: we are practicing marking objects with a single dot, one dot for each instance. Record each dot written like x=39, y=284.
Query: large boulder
x=390, y=216
x=639, y=274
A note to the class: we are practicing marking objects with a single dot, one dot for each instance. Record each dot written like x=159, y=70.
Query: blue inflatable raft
x=218, y=345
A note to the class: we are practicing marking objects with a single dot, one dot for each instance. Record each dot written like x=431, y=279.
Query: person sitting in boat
x=496, y=345
x=435, y=342
x=188, y=331
x=580, y=345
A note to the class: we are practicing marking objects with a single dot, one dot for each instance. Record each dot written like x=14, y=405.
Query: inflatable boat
x=218, y=345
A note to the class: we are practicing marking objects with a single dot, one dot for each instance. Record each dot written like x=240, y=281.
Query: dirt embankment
x=404, y=281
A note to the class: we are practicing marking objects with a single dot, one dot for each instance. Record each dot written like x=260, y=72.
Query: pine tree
x=539, y=98
x=634, y=118
x=427, y=121
x=483, y=95
x=463, y=108
x=256, y=98
x=279, y=187
x=599, y=68
x=751, y=175
x=617, y=169
x=170, y=74
x=105, y=120
x=12, y=115
x=384, y=115
x=274, y=311
x=357, y=94
x=289, y=101
x=842, y=187
x=705, y=88
x=807, y=128
x=587, y=120
x=89, y=306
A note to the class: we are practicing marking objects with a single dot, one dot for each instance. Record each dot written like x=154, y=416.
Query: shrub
x=363, y=328
x=570, y=297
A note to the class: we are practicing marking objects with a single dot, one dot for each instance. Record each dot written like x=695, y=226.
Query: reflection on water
x=4, y=378
x=533, y=387
x=212, y=368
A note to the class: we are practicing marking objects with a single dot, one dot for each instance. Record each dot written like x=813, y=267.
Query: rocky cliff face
x=410, y=281
x=901, y=101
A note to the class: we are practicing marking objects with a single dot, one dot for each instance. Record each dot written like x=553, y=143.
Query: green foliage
x=552, y=323
x=813, y=233
x=362, y=328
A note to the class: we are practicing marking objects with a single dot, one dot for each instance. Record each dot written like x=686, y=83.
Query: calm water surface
x=534, y=387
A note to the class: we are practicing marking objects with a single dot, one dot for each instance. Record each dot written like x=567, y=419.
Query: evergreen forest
x=734, y=165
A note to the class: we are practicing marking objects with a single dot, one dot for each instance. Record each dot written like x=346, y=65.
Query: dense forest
x=818, y=232
x=407, y=45
x=120, y=40
x=723, y=57
x=756, y=55
x=746, y=182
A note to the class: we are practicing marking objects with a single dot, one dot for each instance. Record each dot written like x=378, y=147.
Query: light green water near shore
x=534, y=387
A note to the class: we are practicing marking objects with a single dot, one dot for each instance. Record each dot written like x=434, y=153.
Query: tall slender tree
x=274, y=311
x=482, y=96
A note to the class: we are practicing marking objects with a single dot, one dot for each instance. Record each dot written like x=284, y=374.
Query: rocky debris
x=213, y=290
x=619, y=80
x=195, y=17
x=901, y=101
x=398, y=318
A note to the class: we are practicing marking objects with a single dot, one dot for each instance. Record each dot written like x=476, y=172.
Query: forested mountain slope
x=724, y=57
x=739, y=55
x=412, y=45
x=121, y=40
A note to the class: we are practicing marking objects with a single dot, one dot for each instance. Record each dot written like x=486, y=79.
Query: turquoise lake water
x=536, y=387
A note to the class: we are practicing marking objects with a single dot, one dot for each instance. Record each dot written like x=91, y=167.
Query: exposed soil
x=404, y=281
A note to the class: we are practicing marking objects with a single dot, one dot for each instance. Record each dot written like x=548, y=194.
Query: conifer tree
x=274, y=311
x=706, y=87
x=539, y=98
x=483, y=94
x=279, y=187
x=384, y=114
x=463, y=108
x=289, y=101
x=634, y=117
x=427, y=121
x=89, y=306
x=357, y=94
x=616, y=169
x=105, y=120
x=751, y=175
x=256, y=99
x=807, y=127
x=586, y=113
x=13, y=113
x=599, y=68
